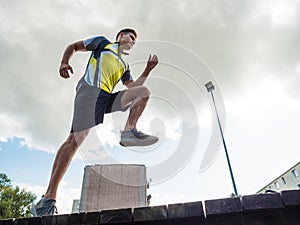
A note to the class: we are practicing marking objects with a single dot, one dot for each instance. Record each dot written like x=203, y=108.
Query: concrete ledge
x=224, y=211
x=76, y=218
x=48, y=220
x=291, y=212
x=6, y=222
x=62, y=219
x=118, y=216
x=223, y=206
x=91, y=218
x=261, y=209
x=20, y=221
x=262, y=202
x=33, y=220
x=186, y=213
x=150, y=215
x=291, y=198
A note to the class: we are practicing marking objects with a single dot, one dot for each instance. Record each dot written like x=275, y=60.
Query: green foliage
x=14, y=202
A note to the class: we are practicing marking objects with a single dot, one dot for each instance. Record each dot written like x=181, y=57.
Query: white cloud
x=277, y=13
x=298, y=68
x=283, y=12
x=164, y=199
x=268, y=96
x=12, y=128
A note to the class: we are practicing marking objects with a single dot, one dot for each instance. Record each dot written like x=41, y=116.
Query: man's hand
x=64, y=66
x=64, y=70
x=152, y=62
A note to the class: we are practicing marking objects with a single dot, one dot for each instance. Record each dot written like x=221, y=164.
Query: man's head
x=126, y=37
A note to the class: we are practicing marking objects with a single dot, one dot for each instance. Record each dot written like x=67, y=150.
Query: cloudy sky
x=249, y=49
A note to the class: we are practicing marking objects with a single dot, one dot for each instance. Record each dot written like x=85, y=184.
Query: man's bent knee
x=143, y=95
x=133, y=95
x=144, y=92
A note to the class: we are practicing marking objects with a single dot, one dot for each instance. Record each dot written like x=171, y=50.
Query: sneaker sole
x=138, y=143
x=33, y=211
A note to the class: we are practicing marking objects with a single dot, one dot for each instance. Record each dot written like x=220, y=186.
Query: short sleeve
x=92, y=43
x=126, y=76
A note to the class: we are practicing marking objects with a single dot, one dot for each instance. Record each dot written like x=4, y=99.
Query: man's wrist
x=148, y=70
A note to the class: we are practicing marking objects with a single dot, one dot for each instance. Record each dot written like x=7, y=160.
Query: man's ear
x=120, y=36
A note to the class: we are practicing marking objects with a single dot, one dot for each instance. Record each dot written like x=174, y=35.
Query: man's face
x=127, y=40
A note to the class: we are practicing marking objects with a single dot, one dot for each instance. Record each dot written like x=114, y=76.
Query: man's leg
x=137, y=98
x=62, y=160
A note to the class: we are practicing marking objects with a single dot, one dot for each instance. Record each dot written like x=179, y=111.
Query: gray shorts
x=90, y=105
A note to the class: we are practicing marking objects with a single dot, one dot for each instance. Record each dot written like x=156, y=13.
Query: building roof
x=282, y=175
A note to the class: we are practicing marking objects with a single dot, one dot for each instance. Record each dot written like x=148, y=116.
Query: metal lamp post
x=210, y=87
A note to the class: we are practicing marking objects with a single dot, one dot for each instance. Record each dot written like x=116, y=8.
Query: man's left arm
x=151, y=64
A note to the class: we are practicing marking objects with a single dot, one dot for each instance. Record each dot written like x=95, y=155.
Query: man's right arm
x=69, y=51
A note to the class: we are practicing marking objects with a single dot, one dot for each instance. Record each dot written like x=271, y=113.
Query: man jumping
x=95, y=97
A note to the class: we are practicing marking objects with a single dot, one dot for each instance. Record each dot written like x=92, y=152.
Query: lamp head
x=209, y=86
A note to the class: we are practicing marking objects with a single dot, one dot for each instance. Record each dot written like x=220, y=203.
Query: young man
x=94, y=98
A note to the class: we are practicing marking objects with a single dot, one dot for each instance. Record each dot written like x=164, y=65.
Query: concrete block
x=223, y=206
x=62, y=219
x=48, y=220
x=75, y=218
x=114, y=186
x=34, y=220
x=118, y=216
x=20, y=221
x=224, y=211
x=91, y=218
x=291, y=213
x=151, y=215
x=6, y=222
x=186, y=213
x=291, y=216
x=263, y=209
x=291, y=198
x=262, y=201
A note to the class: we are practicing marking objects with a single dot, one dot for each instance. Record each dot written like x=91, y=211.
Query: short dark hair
x=126, y=30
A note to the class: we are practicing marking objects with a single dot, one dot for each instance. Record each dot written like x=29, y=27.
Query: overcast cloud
x=242, y=42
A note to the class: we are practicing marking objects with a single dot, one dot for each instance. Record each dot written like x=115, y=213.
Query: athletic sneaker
x=45, y=206
x=134, y=137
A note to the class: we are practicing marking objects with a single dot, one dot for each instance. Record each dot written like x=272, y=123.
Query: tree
x=14, y=202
